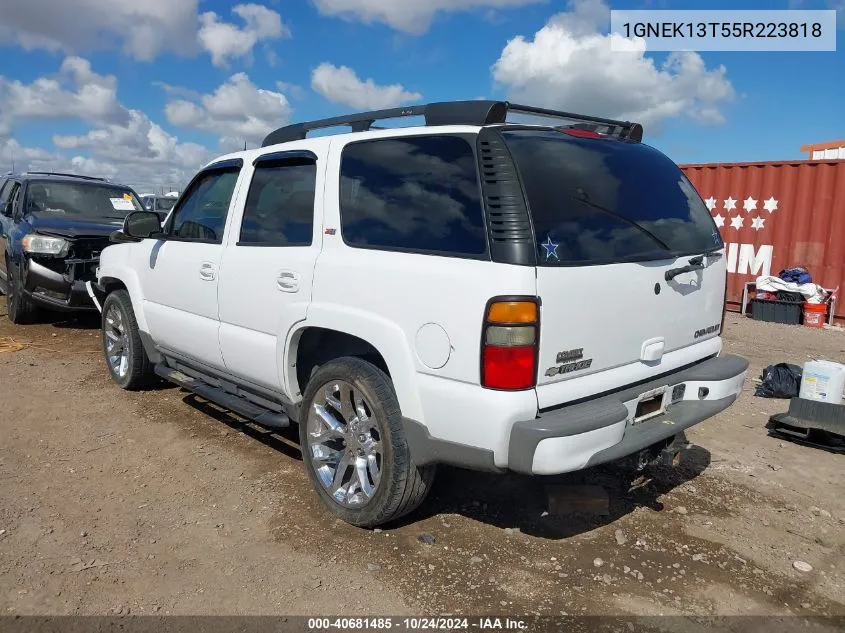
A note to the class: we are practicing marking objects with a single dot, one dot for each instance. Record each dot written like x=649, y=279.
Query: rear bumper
x=601, y=430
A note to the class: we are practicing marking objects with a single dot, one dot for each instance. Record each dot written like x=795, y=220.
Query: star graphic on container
x=730, y=204
x=711, y=203
x=750, y=204
x=770, y=205
x=551, y=248
x=736, y=221
x=757, y=223
x=719, y=220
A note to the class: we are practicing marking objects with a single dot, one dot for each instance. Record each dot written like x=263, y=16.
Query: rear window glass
x=418, y=194
x=602, y=201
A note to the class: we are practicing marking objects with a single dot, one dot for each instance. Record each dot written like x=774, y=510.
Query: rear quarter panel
x=386, y=298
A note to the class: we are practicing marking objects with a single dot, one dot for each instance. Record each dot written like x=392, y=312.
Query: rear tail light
x=509, y=341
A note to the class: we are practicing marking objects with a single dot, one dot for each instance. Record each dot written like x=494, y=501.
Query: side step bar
x=241, y=406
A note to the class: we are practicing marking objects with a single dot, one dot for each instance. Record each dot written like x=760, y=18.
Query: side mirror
x=141, y=225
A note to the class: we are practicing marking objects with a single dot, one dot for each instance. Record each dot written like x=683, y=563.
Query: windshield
x=165, y=204
x=596, y=201
x=80, y=200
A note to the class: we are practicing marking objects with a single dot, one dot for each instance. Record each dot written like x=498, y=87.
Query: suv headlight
x=43, y=245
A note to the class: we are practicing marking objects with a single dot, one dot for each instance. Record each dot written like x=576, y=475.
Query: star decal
x=711, y=203
x=757, y=223
x=736, y=221
x=551, y=248
x=750, y=204
x=730, y=204
x=719, y=220
x=770, y=205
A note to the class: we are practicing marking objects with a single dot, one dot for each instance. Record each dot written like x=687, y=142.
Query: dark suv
x=52, y=229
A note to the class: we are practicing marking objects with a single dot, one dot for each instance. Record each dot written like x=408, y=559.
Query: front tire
x=354, y=448
x=19, y=307
x=128, y=363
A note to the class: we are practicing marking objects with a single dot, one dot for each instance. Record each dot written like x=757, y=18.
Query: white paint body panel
x=618, y=317
x=245, y=322
x=265, y=290
x=180, y=305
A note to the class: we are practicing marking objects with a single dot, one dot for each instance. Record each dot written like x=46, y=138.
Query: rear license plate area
x=649, y=405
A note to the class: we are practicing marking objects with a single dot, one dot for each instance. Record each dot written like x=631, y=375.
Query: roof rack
x=476, y=112
x=58, y=173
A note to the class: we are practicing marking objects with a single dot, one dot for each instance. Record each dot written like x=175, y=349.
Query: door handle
x=207, y=272
x=288, y=281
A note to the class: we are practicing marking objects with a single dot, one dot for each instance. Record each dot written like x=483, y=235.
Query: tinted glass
x=164, y=204
x=416, y=193
x=202, y=214
x=602, y=201
x=5, y=190
x=80, y=200
x=12, y=193
x=280, y=205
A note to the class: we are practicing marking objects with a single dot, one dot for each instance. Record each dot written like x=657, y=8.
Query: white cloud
x=124, y=144
x=569, y=65
x=141, y=29
x=139, y=153
x=294, y=90
x=342, y=85
x=76, y=91
x=225, y=41
x=172, y=167
x=410, y=16
x=237, y=111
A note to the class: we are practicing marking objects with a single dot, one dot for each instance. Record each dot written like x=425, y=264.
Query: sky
x=146, y=92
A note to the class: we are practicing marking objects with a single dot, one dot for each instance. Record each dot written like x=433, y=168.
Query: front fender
x=114, y=267
x=386, y=336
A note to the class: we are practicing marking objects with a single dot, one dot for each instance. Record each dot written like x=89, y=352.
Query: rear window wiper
x=696, y=263
x=583, y=199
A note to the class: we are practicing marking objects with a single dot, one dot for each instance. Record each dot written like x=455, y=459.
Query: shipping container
x=776, y=215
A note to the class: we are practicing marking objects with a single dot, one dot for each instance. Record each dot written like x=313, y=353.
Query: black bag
x=791, y=297
x=780, y=381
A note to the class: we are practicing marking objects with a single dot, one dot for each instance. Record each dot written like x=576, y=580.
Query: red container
x=815, y=314
x=777, y=215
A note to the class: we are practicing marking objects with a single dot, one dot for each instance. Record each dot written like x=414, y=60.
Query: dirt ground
x=114, y=502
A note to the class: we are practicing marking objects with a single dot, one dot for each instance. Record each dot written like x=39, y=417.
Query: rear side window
x=597, y=201
x=201, y=216
x=280, y=205
x=416, y=194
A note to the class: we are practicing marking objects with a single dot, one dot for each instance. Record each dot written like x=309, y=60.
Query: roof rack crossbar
x=476, y=112
x=58, y=173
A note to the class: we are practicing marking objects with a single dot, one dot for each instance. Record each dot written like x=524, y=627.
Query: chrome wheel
x=117, y=341
x=344, y=443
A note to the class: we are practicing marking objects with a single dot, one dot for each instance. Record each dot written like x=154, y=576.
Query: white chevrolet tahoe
x=473, y=291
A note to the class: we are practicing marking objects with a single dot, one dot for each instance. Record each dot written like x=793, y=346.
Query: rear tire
x=126, y=359
x=19, y=307
x=354, y=447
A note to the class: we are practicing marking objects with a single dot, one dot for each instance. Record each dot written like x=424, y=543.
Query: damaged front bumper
x=47, y=285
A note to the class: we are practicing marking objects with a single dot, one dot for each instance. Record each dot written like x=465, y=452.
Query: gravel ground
x=114, y=502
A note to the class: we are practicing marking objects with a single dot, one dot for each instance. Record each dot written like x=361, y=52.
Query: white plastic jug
x=823, y=380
